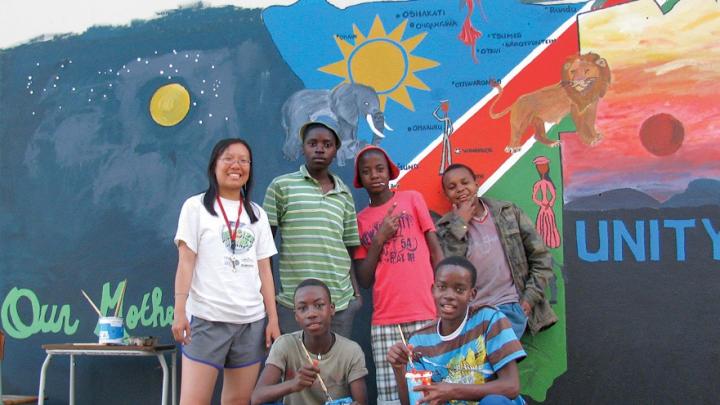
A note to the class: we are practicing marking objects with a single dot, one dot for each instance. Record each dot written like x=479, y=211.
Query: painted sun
x=382, y=61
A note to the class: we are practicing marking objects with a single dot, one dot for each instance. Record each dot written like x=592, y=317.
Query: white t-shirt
x=220, y=292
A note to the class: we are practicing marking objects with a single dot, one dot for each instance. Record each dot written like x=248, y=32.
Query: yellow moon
x=170, y=104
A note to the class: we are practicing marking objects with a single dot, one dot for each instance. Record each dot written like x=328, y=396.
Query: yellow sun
x=382, y=61
x=169, y=104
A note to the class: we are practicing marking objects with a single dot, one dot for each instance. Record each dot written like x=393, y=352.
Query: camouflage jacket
x=529, y=259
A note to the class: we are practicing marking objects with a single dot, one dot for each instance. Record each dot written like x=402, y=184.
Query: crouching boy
x=472, y=353
x=335, y=363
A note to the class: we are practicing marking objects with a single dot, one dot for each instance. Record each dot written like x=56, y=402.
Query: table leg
x=72, y=379
x=163, y=364
x=173, y=376
x=43, y=371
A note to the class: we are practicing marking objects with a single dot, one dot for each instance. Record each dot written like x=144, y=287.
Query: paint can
x=340, y=401
x=111, y=330
x=415, y=378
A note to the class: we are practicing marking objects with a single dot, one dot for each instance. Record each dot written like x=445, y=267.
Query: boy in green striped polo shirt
x=316, y=215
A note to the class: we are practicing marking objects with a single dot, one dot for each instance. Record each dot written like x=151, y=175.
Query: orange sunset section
x=661, y=64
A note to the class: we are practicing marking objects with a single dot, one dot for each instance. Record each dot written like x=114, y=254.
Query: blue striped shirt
x=473, y=354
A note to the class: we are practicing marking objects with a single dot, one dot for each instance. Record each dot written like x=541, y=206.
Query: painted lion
x=585, y=79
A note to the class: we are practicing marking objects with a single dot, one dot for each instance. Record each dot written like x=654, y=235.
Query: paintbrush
x=405, y=343
x=322, y=383
x=92, y=303
x=122, y=295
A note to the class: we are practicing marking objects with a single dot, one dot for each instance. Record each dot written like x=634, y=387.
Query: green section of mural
x=547, y=351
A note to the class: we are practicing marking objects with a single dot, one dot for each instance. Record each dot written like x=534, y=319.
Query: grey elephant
x=346, y=103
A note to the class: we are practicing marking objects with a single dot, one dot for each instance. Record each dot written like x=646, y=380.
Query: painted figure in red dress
x=469, y=35
x=545, y=188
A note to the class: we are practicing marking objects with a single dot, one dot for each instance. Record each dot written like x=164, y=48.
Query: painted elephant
x=347, y=103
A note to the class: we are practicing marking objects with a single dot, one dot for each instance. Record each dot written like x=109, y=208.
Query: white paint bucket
x=111, y=330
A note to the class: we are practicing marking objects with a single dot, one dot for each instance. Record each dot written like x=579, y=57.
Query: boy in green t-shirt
x=302, y=365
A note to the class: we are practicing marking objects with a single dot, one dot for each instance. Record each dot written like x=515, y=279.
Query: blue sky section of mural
x=442, y=21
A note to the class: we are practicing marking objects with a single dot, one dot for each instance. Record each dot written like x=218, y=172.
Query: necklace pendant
x=232, y=246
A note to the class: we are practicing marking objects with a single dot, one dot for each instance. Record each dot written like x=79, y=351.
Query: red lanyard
x=233, y=233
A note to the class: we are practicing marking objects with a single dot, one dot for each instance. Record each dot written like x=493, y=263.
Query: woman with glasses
x=224, y=282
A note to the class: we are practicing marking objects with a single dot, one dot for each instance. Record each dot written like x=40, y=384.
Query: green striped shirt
x=316, y=230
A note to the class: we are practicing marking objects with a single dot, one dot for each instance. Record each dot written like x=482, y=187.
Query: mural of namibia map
x=104, y=133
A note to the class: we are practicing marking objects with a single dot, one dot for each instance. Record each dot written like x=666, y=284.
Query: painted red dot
x=662, y=134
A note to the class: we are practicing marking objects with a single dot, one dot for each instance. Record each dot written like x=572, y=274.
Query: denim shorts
x=514, y=313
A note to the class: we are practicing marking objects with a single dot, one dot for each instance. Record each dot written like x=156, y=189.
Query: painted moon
x=662, y=134
x=170, y=104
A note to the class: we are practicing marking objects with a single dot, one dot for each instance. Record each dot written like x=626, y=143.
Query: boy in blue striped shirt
x=472, y=352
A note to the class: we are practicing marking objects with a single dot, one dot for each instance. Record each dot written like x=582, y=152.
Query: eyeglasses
x=229, y=161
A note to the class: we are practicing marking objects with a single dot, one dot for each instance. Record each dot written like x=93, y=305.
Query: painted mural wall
x=597, y=118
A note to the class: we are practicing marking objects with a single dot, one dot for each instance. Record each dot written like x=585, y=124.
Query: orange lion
x=585, y=79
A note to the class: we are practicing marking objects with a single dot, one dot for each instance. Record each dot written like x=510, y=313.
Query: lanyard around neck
x=233, y=232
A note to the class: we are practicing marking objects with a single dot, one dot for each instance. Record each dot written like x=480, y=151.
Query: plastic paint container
x=111, y=330
x=415, y=378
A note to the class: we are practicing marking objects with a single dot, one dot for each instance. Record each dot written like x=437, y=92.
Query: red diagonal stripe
x=482, y=132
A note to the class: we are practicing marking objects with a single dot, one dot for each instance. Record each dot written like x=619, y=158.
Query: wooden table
x=95, y=349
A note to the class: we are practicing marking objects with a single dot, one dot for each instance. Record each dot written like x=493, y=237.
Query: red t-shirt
x=404, y=274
